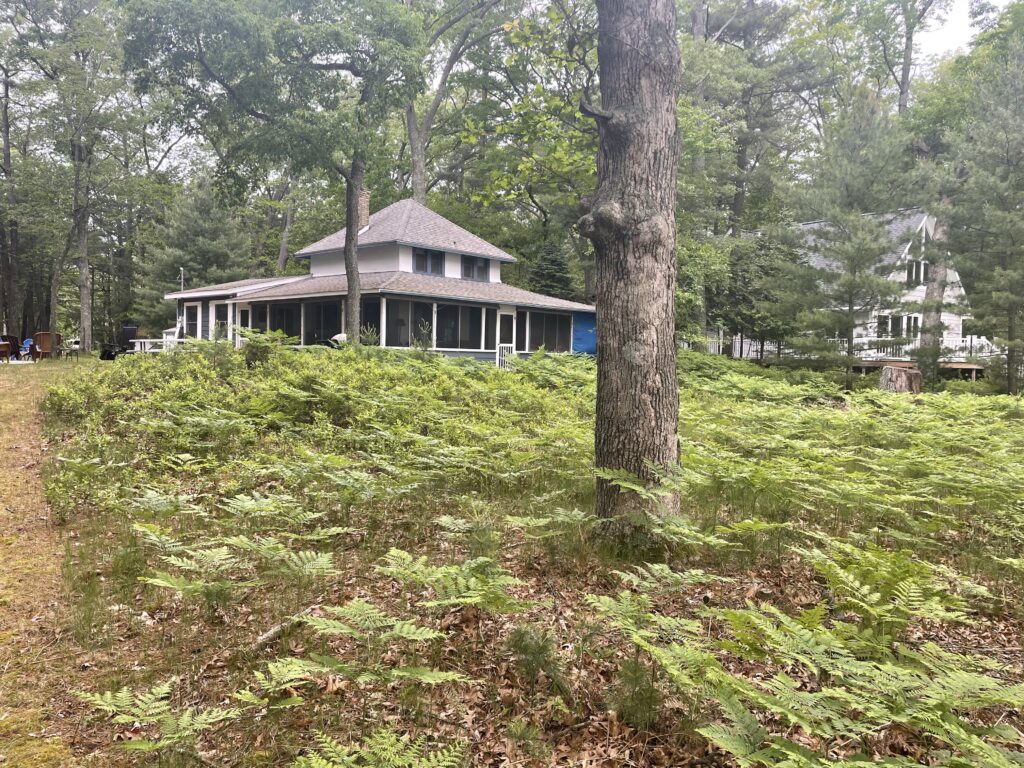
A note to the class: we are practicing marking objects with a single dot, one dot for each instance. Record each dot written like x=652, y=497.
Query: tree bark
x=905, y=68
x=353, y=188
x=932, y=328
x=900, y=380
x=632, y=226
x=282, y=251
x=1013, y=352
x=9, y=254
x=84, y=287
x=417, y=155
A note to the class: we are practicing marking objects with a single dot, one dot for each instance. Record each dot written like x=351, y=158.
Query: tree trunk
x=353, y=189
x=851, y=357
x=282, y=251
x=1013, y=353
x=932, y=328
x=417, y=154
x=902, y=380
x=84, y=287
x=908, y=61
x=9, y=255
x=632, y=226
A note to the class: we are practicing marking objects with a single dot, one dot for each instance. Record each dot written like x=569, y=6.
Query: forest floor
x=35, y=652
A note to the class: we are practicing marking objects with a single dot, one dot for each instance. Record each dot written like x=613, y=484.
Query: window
x=551, y=331
x=323, y=320
x=521, y=331
x=913, y=326
x=470, y=327
x=423, y=322
x=285, y=317
x=883, y=326
x=192, y=321
x=459, y=327
x=427, y=262
x=397, y=320
x=369, y=316
x=447, y=326
x=474, y=268
x=490, y=328
x=220, y=321
x=260, y=317
x=917, y=273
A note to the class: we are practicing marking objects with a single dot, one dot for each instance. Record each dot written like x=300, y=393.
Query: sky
x=955, y=33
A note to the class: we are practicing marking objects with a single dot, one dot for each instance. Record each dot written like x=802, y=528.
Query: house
x=422, y=278
x=891, y=335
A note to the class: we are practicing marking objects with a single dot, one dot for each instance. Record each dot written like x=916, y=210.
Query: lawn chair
x=5, y=351
x=45, y=344
x=15, y=343
x=26, y=349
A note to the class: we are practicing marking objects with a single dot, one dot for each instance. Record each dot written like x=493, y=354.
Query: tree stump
x=895, y=379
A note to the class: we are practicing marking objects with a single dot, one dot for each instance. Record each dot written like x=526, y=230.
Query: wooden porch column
x=433, y=326
x=302, y=323
x=383, y=321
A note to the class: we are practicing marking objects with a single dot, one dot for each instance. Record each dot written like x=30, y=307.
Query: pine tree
x=858, y=179
x=199, y=236
x=549, y=274
x=987, y=229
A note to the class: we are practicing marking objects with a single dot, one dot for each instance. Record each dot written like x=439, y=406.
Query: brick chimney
x=364, y=207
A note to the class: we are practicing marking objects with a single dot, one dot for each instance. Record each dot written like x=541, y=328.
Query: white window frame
x=199, y=319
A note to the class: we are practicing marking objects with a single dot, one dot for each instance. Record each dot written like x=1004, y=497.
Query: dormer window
x=475, y=268
x=917, y=272
x=427, y=262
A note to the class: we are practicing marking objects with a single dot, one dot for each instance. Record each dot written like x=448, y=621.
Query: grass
x=428, y=523
x=31, y=620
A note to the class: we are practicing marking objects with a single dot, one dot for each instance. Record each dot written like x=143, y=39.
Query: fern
x=362, y=620
x=152, y=708
x=384, y=749
x=479, y=582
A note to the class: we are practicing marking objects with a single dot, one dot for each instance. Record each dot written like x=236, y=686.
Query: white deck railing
x=870, y=348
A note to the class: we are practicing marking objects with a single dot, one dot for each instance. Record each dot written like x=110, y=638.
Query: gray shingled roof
x=901, y=227
x=427, y=286
x=412, y=223
x=231, y=288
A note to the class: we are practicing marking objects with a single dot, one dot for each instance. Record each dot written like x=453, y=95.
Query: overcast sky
x=954, y=34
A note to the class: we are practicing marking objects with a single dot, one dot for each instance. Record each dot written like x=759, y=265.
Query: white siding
x=405, y=258
x=495, y=271
x=374, y=258
x=452, y=265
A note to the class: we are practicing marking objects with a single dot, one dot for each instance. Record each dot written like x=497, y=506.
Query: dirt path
x=33, y=690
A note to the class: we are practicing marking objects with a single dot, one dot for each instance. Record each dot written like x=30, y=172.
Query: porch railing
x=504, y=356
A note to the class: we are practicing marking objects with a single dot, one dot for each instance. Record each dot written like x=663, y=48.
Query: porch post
x=302, y=323
x=526, y=341
x=433, y=326
x=383, y=321
x=483, y=326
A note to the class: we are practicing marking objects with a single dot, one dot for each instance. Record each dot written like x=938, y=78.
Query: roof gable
x=901, y=228
x=411, y=223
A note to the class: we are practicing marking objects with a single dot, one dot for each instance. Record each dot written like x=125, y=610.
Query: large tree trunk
x=417, y=154
x=9, y=254
x=932, y=328
x=632, y=226
x=905, y=69
x=353, y=190
x=84, y=287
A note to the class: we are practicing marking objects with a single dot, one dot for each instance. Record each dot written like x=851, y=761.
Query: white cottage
x=421, y=276
x=892, y=335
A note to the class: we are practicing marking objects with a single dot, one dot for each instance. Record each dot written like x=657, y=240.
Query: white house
x=421, y=277
x=892, y=335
